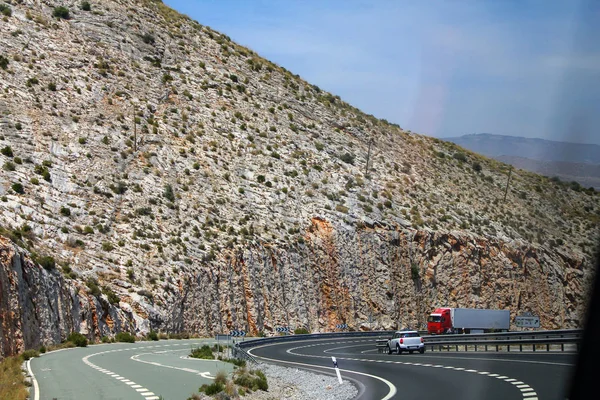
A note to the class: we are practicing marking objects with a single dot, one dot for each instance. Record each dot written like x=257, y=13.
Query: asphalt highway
x=142, y=370
x=433, y=375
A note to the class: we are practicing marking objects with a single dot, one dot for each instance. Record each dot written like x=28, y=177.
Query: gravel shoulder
x=298, y=384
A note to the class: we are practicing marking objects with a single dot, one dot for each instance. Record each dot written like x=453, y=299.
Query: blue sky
x=520, y=68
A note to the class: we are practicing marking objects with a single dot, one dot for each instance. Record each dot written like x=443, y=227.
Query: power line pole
x=507, y=182
x=368, y=157
x=134, y=131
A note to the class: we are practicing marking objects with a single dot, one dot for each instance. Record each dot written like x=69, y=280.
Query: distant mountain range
x=568, y=161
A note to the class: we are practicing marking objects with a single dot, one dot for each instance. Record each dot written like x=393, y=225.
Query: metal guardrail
x=444, y=342
x=507, y=335
x=314, y=336
x=240, y=353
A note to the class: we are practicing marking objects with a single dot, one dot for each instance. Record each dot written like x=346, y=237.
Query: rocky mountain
x=156, y=175
x=587, y=175
x=570, y=162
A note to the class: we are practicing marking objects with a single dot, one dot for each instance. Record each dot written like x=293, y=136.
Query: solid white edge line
x=36, y=388
x=391, y=386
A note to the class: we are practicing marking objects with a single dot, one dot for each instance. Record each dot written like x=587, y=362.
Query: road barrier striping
x=528, y=394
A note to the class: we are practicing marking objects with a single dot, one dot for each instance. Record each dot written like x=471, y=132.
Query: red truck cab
x=439, y=321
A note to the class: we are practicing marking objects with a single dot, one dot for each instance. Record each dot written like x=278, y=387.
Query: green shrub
x=77, y=339
x=42, y=349
x=107, y=246
x=348, y=158
x=341, y=208
x=211, y=389
x=460, y=156
x=66, y=211
x=414, y=271
x=203, y=352
x=153, y=336
x=169, y=194
x=3, y=62
x=46, y=262
x=7, y=151
x=105, y=339
x=9, y=166
x=477, y=166
x=301, y=331
x=27, y=354
x=125, y=337
x=148, y=38
x=92, y=284
x=85, y=6
x=61, y=12
x=18, y=188
x=113, y=298
x=5, y=10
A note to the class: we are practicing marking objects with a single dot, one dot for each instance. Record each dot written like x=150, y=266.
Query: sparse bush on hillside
x=18, y=188
x=61, y=12
x=5, y=10
x=347, y=158
x=460, y=156
x=3, y=62
x=86, y=6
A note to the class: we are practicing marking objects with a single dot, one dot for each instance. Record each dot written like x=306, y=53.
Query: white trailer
x=475, y=320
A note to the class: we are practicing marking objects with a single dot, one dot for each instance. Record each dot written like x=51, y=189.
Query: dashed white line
x=526, y=391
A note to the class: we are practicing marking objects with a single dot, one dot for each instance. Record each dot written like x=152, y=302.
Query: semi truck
x=467, y=320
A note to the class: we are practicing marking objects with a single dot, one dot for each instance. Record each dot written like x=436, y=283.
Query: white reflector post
x=337, y=370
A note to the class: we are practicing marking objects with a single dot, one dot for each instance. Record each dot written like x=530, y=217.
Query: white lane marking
x=147, y=394
x=525, y=393
x=142, y=390
x=153, y=398
x=36, y=388
x=136, y=386
x=527, y=390
x=203, y=374
x=391, y=393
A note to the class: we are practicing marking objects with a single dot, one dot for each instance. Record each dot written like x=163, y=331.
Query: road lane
x=440, y=375
x=110, y=372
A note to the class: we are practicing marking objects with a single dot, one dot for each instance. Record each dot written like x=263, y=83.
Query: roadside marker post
x=337, y=370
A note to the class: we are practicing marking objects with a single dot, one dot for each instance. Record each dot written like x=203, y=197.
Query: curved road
x=433, y=375
x=142, y=370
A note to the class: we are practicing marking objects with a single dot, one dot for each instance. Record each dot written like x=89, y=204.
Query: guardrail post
x=475, y=347
x=497, y=348
x=508, y=347
x=486, y=348
x=520, y=345
x=456, y=348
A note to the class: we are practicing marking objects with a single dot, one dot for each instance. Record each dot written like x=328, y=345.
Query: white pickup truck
x=406, y=341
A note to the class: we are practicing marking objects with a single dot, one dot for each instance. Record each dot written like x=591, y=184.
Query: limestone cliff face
x=38, y=306
x=181, y=182
x=392, y=278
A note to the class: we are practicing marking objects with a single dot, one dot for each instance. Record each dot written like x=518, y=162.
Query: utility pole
x=134, y=131
x=368, y=157
x=507, y=182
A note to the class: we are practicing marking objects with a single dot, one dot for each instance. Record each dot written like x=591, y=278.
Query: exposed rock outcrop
x=180, y=182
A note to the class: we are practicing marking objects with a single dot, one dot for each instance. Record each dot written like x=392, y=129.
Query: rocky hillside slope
x=156, y=175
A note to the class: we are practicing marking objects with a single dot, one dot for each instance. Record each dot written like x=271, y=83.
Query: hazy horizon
x=442, y=69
